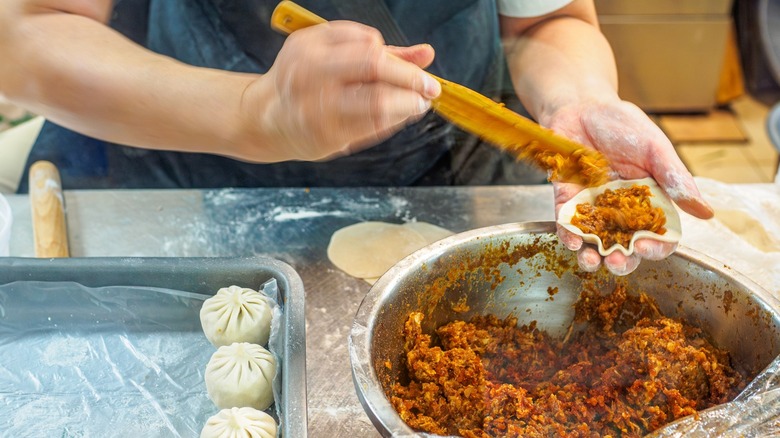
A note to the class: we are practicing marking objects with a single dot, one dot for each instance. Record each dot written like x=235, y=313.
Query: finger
x=367, y=63
x=563, y=192
x=671, y=174
x=343, y=31
x=589, y=259
x=620, y=264
x=680, y=186
x=376, y=111
x=375, y=137
x=570, y=240
x=420, y=55
x=653, y=249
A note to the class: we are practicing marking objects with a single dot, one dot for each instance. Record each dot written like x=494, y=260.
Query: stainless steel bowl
x=509, y=269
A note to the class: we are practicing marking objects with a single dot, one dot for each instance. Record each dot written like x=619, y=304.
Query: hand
x=336, y=88
x=636, y=148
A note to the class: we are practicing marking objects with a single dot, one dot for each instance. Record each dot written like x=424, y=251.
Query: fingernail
x=431, y=86
x=423, y=105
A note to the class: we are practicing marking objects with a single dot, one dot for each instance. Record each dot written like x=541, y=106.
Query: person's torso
x=236, y=35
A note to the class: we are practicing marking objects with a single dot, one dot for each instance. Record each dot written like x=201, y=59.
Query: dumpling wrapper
x=241, y=375
x=385, y=241
x=239, y=422
x=369, y=249
x=659, y=199
x=236, y=314
x=431, y=233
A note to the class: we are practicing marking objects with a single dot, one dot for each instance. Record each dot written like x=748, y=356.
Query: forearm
x=559, y=61
x=81, y=74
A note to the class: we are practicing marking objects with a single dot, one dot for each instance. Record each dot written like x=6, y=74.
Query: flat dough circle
x=368, y=249
x=748, y=228
x=431, y=233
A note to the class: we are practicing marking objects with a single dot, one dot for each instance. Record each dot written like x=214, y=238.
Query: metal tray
x=195, y=275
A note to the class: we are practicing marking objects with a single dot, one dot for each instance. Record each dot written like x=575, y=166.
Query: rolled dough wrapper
x=368, y=249
x=431, y=233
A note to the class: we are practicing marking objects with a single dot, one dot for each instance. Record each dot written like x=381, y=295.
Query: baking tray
x=192, y=275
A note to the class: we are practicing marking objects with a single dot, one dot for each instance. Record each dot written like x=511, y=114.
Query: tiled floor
x=751, y=161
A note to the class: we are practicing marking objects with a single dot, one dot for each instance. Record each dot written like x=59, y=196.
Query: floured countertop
x=745, y=233
x=295, y=225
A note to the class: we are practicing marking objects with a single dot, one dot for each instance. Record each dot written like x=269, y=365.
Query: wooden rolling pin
x=50, y=232
x=523, y=138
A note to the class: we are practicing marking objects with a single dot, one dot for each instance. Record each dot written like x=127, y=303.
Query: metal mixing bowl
x=511, y=269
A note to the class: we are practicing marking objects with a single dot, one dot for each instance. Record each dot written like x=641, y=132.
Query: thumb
x=678, y=183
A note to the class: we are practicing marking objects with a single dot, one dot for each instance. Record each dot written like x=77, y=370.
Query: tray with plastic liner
x=168, y=347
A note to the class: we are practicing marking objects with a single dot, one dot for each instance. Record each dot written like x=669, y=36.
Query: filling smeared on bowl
x=628, y=371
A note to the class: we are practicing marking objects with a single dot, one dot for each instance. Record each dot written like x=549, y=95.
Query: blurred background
x=707, y=71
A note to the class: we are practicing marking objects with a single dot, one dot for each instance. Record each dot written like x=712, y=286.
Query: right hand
x=336, y=89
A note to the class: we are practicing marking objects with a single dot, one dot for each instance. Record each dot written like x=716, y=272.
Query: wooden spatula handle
x=48, y=211
x=289, y=17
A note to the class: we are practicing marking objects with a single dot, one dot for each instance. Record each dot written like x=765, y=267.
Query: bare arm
x=63, y=62
x=559, y=58
x=564, y=72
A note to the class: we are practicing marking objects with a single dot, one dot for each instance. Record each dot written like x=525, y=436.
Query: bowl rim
x=369, y=389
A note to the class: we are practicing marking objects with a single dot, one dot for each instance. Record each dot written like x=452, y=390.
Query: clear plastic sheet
x=738, y=249
x=755, y=412
x=113, y=361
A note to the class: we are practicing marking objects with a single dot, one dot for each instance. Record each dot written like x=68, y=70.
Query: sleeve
x=529, y=8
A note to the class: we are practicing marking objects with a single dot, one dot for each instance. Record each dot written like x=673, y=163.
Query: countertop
x=295, y=225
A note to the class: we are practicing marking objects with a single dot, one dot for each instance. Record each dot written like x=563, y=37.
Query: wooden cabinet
x=669, y=53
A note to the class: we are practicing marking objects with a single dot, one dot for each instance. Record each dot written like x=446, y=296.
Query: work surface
x=295, y=225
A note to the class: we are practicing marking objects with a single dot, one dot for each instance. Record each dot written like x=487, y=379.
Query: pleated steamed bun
x=239, y=423
x=236, y=314
x=241, y=375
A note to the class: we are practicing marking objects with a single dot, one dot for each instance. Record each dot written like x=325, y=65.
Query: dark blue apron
x=235, y=35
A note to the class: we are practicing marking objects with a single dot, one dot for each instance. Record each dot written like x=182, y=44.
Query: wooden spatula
x=493, y=122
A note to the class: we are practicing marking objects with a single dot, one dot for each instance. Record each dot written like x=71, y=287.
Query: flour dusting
x=66, y=351
x=281, y=214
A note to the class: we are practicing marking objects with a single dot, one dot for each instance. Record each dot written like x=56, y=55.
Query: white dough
x=748, y=228
x=241, y=375
x=236, y=314
x=431, y=233
x=239, y=423
x=368, y=249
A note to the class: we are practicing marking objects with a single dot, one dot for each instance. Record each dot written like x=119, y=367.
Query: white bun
x=241, y=375
x=236, y=314
x=239, y=423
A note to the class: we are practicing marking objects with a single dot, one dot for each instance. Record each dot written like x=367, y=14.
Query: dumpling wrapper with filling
x=369, y=249
x=236, y=314
x=659, y=199
x=239, y=422
x=241, y=375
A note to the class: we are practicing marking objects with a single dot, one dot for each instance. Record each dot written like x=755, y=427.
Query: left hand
x=636, y=148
